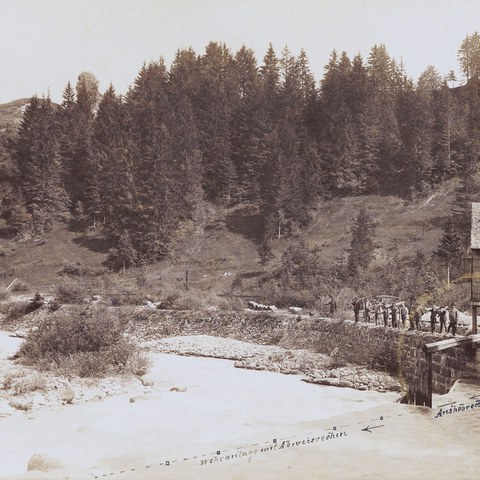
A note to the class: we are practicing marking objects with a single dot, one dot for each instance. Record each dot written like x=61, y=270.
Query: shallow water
x=222, y=407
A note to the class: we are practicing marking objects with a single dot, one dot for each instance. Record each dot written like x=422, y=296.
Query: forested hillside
x=223, y=127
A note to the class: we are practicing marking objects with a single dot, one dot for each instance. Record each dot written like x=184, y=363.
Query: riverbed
x=200, y=418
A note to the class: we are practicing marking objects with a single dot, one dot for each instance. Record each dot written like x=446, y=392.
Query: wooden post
x=186, y=279
x=428, y=402
x=474, y=318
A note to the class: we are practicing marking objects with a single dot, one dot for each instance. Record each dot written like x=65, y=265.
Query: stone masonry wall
x=377, y=347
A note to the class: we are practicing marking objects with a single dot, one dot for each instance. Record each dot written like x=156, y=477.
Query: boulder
x=333, y=382
x=345, y=384
x=42, y=463
x=147, y=381
x=178, y=389
x=66, y=395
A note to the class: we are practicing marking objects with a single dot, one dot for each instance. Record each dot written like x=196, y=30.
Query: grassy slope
x=223, y=241
x=38, y=265
x=11, y=113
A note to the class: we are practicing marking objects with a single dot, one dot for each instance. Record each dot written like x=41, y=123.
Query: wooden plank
x=452, y=342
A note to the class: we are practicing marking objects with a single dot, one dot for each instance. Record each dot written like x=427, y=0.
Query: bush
x=21, y=384
x=126, y=299
x=337, y=360
x=20, y=287
x=76, y=269
x=35, y=303
x=87, y=344
x=16, y=310
x=72, y=293
x=170, y=302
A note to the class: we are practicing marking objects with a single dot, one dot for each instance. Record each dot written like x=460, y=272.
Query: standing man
x=442, y=313
x=385, y=314
x=368, y=306
x=333, y=306
x=394, y=315
x=453, y=316
x=416, y=317
x=404, y=315
x=356, y=310
x=377, y=312
x=433, y=317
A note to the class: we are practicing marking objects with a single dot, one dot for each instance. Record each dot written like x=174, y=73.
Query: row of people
x=398, y=314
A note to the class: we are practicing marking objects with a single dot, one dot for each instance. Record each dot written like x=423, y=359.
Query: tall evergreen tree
x=37, y=154
x=362, y=246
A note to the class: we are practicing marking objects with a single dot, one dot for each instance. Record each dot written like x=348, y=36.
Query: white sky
x=45, y=43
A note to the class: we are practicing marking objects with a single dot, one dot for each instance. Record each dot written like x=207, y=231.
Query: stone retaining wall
x=376, y=347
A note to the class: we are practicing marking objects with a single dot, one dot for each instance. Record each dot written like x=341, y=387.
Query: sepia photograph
x=239, y=239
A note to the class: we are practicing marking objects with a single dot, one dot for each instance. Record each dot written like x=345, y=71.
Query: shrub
x=76, y=269
x=20, y=287
x=121, y=300
x=88, y=344
x=16, y=310
x=35, y=303
x=71, y=268
x=71, y=292
x=170, y=302
x=336, y=360
x=138, y=363
x=21, y=384
x=142, y=278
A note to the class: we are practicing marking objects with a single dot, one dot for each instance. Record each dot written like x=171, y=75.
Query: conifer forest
x=226, y=128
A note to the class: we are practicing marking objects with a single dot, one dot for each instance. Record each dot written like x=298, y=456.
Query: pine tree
x=362, y=246
x=36, y=152
x=217, y=101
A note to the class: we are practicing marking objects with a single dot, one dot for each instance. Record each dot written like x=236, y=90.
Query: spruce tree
x=362, y=246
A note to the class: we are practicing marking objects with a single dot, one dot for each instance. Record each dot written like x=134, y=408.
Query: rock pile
x=354, y=377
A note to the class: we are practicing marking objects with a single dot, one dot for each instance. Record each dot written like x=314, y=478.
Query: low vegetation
x=84, y=343
x=22, y=383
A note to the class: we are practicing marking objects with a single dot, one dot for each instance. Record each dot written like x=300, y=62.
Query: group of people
x=396, y=315
x=444, y=313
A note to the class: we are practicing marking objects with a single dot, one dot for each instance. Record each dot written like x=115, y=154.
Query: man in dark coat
x=356, y=309
x=442, y=313
x=433, y=317
x=453, y=316
x=333, y=306
x=394, y=316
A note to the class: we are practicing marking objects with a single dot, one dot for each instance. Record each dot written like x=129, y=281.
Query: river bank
x=198, y=417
